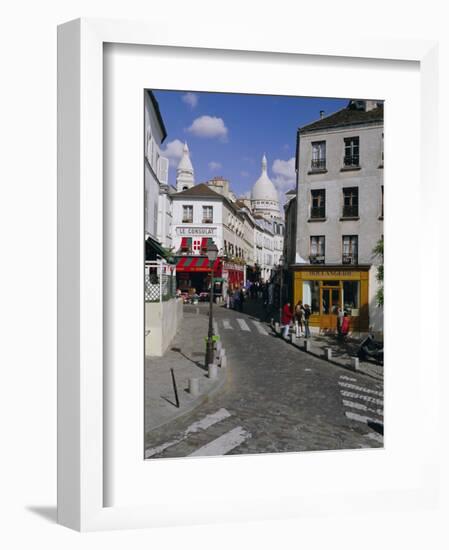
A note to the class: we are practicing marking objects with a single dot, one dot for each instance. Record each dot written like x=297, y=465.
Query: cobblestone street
x=275, y=398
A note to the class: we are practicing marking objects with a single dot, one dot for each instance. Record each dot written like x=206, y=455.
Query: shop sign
x=328, y=274
x=196, y=231
x=235, y=267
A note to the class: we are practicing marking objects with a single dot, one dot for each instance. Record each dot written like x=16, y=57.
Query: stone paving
x=185, y=356
x=275, y=398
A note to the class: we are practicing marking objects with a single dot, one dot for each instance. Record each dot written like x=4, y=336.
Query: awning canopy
x=153, y=250
x=196, y=263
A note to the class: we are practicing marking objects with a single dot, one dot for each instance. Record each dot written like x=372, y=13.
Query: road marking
x=227, y=324
x=361, y=418
x=224, y=443
x=359, y=388
x=260, y=328
x=202, y=424
x=208, y=421
x=243, y=325
x=375, y=436
x=361, y=407
x=362, y=397
x=348, y=378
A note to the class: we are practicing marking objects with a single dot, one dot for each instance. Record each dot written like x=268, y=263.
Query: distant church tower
x=185, y=173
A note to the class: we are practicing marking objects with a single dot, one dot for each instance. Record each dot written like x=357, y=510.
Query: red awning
x=197, y=264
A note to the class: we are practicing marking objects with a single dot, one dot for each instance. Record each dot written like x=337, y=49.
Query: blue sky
x=227, y=134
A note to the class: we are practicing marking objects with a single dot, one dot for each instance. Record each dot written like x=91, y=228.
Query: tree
x=378, y=252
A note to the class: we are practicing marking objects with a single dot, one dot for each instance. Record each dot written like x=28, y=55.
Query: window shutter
x=163, y=170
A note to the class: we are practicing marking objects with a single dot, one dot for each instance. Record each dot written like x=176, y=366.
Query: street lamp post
x=281, y=266
x=212, y=253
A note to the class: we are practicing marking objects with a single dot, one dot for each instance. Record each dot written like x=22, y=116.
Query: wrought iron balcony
x=351, y=160
x=350, y=211
x=319, y=164
x=349, y=259
x=318, y=212
x=316, y=259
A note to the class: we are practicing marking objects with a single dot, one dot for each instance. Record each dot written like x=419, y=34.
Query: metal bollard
x=291, y=337
x=328, y=353
x=307, y=344
x=223, y=362
x=354, y=363
x=277, y=327
x=194, y=386
x=212, y=371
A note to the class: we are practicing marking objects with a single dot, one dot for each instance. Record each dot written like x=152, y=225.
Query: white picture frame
x=82, y=491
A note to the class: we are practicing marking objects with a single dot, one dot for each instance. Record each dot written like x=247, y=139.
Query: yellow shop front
x=325, y=288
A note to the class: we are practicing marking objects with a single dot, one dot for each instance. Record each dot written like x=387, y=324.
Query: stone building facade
x=339, y=216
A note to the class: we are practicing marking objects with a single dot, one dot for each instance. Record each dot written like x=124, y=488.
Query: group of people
x=235, y=297
x=299, y=317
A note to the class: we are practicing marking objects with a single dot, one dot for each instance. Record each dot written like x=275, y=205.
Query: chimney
x=321, y=114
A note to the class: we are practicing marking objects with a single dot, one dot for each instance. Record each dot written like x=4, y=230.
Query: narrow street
x=275, y=399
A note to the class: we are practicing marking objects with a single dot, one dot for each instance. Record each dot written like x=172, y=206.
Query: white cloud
x=191, y=99
x=214, y=165
x=173, y=151
x=209, y=127
x=284, y=176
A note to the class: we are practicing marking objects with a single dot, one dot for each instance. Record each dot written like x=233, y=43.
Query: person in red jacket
x=286, y=319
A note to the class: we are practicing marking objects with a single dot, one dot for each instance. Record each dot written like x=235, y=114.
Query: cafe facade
x=326, y=288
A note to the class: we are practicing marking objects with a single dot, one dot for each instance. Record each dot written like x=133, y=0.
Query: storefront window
x=311, y=295
x=351, y=298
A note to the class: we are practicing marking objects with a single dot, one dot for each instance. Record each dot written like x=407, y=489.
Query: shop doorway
x=330, y=301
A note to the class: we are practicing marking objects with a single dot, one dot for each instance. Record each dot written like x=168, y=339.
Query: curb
x=329, y=361
x=200, y=400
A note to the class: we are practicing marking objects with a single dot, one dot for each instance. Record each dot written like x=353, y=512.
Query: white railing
x=160, y=281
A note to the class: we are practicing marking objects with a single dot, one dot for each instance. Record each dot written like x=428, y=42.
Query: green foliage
x=378, y=251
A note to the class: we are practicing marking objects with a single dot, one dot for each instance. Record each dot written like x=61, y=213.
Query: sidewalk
x=185, y=356
x=341, y=353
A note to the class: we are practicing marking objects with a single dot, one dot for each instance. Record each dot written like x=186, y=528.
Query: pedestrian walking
x=228, y=298
x=242, y=298
x=306, y=314
x=236, y=298
x=286, y=319
x=340, y=317
x=299, y=313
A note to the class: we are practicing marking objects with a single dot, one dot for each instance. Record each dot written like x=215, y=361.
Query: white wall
x=161, y=324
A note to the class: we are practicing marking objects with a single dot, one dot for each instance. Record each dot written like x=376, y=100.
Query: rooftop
x=348, y=116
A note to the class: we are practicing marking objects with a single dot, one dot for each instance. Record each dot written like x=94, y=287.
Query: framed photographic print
x=223, y=300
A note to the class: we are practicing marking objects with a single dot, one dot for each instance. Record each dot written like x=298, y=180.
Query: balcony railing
x=318, y=164
x=351, y=160
x=187, y=220
x=318, y=212
x=208, y=220
x=350, y=259
x=316, y=259
x=350, y=211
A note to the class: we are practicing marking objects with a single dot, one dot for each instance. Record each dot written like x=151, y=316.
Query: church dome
x=263, y=194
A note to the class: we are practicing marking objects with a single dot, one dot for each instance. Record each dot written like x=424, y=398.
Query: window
x=311, y=295
x=187, y=214
x=351, y=297
x=350, y=249
x=197, y=245
x=316, y=250
x=318, y=208
x=350, y=202
x=208, y=214
x=319, y=155
x=351, y=151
